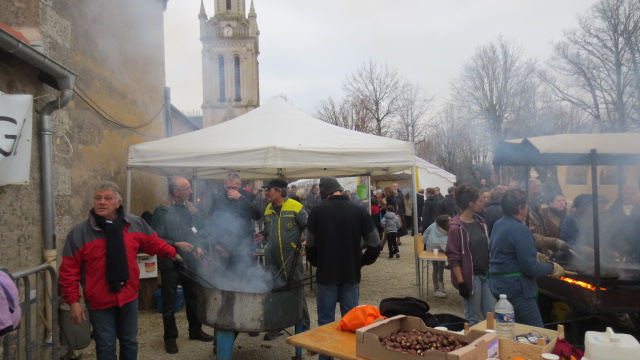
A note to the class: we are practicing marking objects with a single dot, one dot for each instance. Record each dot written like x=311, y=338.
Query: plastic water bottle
x=505, y=318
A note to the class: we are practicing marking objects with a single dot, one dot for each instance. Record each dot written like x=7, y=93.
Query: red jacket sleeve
x=70, y=272
x=153, y=245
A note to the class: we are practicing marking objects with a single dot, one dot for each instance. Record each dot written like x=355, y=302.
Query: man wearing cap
x=285, y=221
x=338, y=231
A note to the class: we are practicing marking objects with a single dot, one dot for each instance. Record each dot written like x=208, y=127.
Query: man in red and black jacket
x=100, y=253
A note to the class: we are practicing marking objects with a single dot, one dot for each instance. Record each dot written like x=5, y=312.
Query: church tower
x=230, y=50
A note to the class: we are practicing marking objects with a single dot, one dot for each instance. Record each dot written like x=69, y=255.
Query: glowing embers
x=583, y=284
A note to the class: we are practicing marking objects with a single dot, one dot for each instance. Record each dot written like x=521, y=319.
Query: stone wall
x=116, y=48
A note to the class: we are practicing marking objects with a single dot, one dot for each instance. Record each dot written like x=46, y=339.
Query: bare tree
x=413, y=106
x=596, y=67
x=447, y=141
x=492, y=84
x=378, y=89
x=348, y=114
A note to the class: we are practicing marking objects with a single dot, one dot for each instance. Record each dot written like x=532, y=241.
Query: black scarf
x=117, y=266
x=561, y=214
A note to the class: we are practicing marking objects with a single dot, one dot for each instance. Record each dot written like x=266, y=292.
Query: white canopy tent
x=274, y=140
x=428, y=175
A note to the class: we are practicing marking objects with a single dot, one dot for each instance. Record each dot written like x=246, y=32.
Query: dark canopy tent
x=570, y=149
x=575, y=149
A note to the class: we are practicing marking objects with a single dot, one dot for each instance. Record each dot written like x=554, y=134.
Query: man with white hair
x=100, y=253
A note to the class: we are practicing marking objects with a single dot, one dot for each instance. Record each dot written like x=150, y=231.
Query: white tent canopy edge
x=274, y=140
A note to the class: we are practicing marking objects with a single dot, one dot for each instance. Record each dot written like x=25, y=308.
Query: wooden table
x=327, y=340
x=425, y=257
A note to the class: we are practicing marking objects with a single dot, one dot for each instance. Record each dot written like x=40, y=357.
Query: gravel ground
x=385, y=278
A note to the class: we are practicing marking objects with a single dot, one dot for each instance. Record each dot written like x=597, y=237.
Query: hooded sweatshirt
x=458, y=251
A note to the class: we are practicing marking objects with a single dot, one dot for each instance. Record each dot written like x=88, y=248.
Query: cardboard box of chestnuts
x=368, y=341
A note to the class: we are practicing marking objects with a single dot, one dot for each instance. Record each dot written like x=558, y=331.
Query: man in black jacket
x=429, y=209
x=336, y=229
x=448, y=204
x=230, y=226
x=420, y=204
x=178, y=222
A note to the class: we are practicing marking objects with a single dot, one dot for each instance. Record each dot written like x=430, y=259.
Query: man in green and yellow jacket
x=285, y=222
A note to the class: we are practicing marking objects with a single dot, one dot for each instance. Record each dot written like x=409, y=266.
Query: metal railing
x=27, y=342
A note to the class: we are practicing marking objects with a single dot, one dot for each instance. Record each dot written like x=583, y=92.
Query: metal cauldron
x=250, y=312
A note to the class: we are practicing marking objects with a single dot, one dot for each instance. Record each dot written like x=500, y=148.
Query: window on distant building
x=236, y=70
x=221, y=86
x=228, y=4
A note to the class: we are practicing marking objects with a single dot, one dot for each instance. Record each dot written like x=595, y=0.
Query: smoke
x=231, y=262
x=618, y=235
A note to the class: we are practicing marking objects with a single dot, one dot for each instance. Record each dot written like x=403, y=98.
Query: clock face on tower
x=227, y=31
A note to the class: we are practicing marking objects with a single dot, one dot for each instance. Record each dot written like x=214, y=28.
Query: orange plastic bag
x=358, y=317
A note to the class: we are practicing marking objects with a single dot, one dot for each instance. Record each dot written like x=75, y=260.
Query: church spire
x=252, y=11
x=203, y=14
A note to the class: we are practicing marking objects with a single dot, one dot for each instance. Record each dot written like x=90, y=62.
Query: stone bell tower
x=230, y=50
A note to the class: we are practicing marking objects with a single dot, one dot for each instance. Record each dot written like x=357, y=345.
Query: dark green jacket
x=282, y=233
x=167, y=223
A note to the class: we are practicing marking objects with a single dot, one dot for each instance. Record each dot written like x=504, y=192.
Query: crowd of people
x=337, y=234
x=497, y=241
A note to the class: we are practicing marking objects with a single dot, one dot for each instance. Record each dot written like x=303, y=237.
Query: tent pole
x=596, y=221
x=414, y=179
x=369, y=192
x=194, y=187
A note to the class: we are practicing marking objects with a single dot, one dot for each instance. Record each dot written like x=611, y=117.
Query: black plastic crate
x=450, y=321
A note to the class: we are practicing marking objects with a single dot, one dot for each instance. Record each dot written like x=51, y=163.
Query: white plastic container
x=609, y=345
x=505, y=318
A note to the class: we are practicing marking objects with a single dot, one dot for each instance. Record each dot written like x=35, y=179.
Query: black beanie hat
x=329, y=185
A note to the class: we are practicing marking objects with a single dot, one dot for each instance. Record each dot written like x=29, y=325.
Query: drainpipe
x=65, y=80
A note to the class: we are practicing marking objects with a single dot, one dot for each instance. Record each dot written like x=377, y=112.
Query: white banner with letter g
x=16, y=115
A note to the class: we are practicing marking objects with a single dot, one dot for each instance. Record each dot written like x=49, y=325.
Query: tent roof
x=424, y=164
x=273, y=140
x=421, y=164
x=570, y=149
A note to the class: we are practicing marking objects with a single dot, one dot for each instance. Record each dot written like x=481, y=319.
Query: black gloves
x=463, y=290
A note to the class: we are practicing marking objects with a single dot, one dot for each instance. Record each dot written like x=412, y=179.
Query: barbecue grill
x=230, y=312
x=596, y=289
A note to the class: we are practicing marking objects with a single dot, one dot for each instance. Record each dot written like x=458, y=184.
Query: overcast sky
x=307, y=48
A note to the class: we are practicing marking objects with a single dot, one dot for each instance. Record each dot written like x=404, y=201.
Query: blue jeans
x=326, y=298
x=116, y=322
x=525, y=307
x=480, y=303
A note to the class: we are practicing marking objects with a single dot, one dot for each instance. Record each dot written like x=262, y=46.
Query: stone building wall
x=116, y=48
